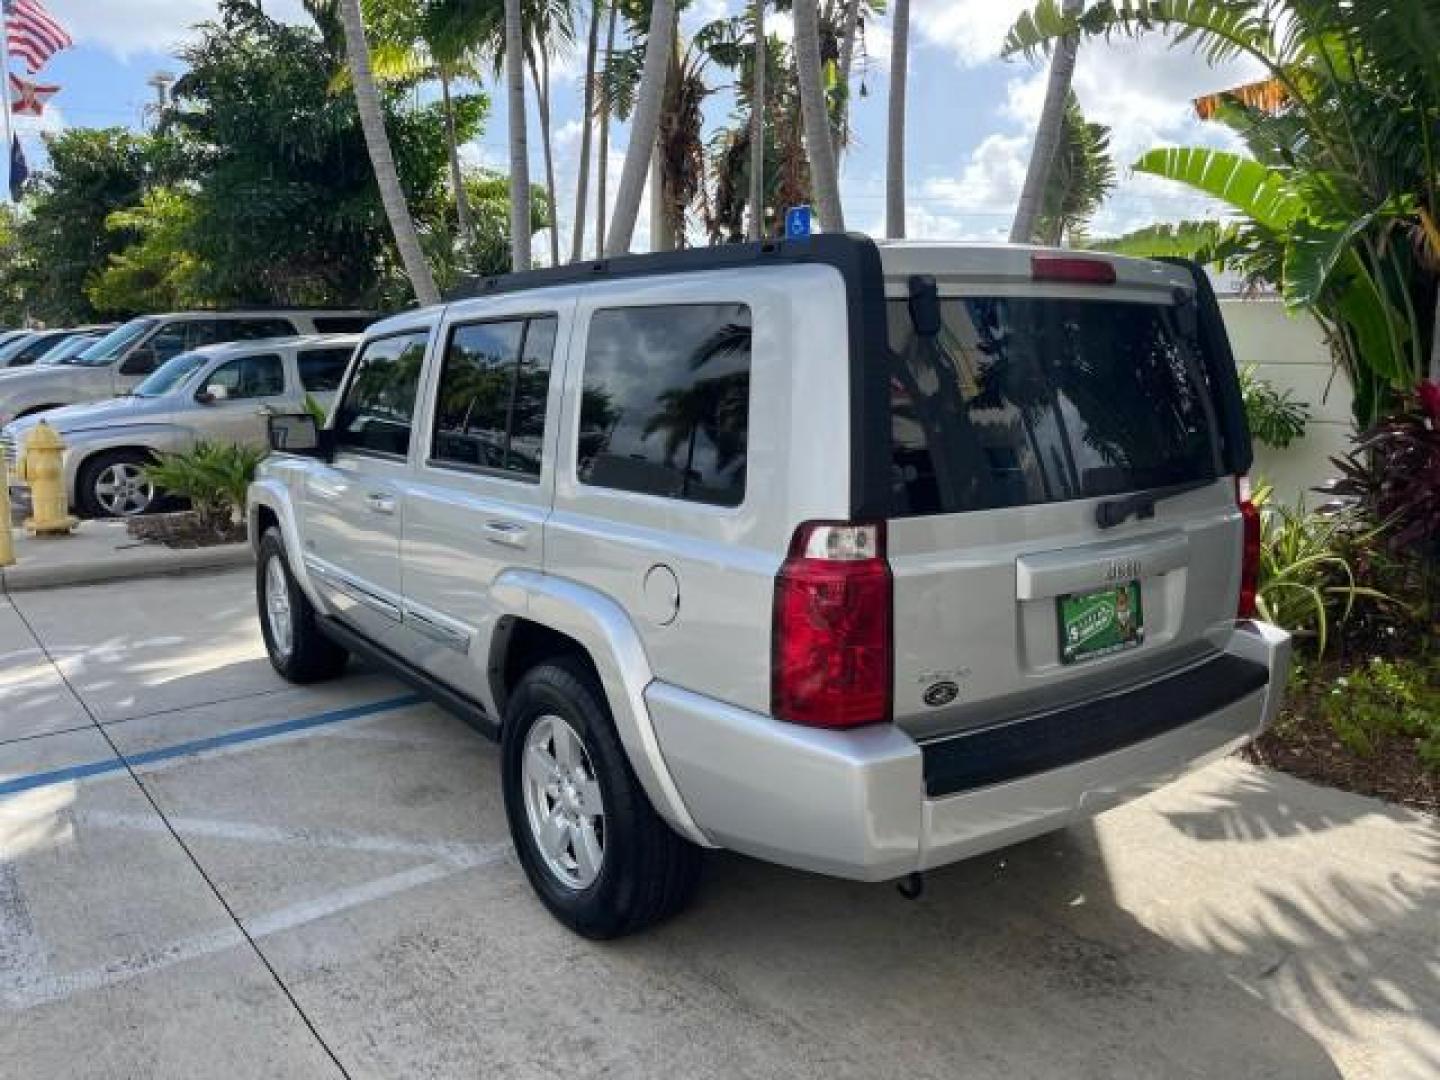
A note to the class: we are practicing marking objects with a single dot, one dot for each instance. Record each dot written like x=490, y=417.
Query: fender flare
x=603, y=629
x=274, y=496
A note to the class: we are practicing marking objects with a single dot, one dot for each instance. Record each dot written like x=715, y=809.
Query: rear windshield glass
x=1025, y=401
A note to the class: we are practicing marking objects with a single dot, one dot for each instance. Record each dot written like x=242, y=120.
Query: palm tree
x=582, y=183
x=818, y=139
x=551, y=27
x=1081, y=179
x=644, y=126
x=757, y=127
x=895, y=154
x=519, y=144
x=602, y=180
x=382, y=160
x=1048, y=132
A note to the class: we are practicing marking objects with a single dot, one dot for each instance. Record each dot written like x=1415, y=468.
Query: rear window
x=1025, y=401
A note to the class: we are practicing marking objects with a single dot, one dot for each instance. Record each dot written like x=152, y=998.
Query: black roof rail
x=833, y=248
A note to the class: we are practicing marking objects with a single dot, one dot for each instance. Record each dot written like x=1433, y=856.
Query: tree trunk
x=582, y=183
x=662, y=237
x=377, y=141
x=541, y=77
x=848, y=34
x=1047, y=133
x=644, y=126
x=895, y=152
x=519, y=147
x=818, y=142
x=757, y=128
x=602, y=181
x=457, y=175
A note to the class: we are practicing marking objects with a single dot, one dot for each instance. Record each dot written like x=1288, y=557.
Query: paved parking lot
x=205, y=872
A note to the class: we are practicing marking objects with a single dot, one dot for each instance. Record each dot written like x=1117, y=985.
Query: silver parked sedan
x=221, y=393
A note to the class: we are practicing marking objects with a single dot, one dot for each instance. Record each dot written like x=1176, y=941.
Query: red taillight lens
x=1250, y=566
x=831, y=665
x=1073, y=270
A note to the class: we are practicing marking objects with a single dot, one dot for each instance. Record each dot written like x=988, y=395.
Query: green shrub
x=1308, y=581
x=214, y=477
x=1386, y=699
x=1275, y=419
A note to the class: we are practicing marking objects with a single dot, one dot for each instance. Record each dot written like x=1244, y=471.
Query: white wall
x=1290, y=353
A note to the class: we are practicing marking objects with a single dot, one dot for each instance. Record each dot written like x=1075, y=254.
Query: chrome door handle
x=381, y=503
x=507, y=533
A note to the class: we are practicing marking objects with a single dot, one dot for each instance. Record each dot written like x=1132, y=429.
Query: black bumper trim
x=1036, y=744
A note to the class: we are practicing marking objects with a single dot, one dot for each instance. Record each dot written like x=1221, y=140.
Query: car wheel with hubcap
x=298, y=648
x=114, y=485
x=596, y=852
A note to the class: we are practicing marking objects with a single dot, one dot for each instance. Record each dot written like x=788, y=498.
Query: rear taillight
x=831, y=664
x=1076, y=271
x=1250, y=566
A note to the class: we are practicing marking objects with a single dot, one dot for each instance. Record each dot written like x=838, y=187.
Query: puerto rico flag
x=27, y=98
x=34, y=35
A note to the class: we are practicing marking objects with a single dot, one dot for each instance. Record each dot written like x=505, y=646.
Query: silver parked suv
x=219, y=394
x=861, y=559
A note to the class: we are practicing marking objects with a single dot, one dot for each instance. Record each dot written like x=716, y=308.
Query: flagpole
x=5, y=95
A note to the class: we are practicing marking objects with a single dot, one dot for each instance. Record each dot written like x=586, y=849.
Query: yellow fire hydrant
x=41, y=468
x=7, y=541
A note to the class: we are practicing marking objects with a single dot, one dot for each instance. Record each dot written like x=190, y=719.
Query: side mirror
x=298, y=433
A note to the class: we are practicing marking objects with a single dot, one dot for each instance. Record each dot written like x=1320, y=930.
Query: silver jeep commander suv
x=861, y=559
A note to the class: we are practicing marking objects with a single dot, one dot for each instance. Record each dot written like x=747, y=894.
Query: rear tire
x=599, y=856
x=298, y=648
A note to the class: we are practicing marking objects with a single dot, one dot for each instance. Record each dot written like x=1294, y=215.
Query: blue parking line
x=195, y=746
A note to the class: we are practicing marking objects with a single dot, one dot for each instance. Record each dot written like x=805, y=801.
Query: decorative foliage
x=214, y=478
x=1275, y=418
x=1383, y=700
x=1394, y=472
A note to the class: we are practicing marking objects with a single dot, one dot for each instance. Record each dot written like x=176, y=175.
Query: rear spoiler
x=1237, y=452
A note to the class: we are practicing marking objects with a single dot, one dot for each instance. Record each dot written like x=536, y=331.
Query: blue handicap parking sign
x=797, y=222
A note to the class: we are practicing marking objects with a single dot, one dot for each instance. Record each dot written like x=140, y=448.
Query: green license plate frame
x=1100, y=622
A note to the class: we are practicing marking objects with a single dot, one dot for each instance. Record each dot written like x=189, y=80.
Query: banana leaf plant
x=1336, y=202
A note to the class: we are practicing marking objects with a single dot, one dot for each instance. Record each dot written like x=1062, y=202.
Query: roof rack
x=838, y=249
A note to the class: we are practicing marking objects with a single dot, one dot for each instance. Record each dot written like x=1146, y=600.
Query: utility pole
x=160, y=82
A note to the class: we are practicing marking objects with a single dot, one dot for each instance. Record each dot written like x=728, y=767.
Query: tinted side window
x=249, y=377
x=255, y=329
x=322, y=370
x=378, y=409
x=341, y=324
x=490, y=412
x=666, y=405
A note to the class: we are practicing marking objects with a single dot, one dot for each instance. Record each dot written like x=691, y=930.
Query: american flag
x=34, y=36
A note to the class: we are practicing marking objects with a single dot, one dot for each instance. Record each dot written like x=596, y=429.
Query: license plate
x=1099, y=623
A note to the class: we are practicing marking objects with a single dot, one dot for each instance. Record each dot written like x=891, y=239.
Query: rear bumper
x=858, y=804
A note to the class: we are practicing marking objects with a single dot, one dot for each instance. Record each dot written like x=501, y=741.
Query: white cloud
x=972, y=29
x=127, y=27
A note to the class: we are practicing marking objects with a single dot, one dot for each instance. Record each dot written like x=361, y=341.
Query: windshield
x=108, y=348
x=10, y=348
x=63, y=350
x=1024, y=401
x=170, y=375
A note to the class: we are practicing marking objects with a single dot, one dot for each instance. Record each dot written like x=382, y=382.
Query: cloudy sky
x=971, y=121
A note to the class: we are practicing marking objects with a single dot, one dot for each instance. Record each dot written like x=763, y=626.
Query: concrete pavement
x=206, y=872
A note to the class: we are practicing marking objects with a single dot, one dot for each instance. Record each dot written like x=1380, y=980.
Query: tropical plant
x=1337, y=201
x=758, y=65
x=1275, y=418
x=286, y=206
x=1080, y=179
x=514, y=56
x=819, y=141
x=644, y=128
x=382, y=159
x=214, y=477
x=895, y=139
x=1384, y=700
x=1394, y=471
x=1049, y=131
x=582, y=182
x=1308, y=582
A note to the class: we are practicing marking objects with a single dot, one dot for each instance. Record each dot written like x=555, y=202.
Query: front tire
x=298, y=648
x=114, y=485
x=600, y=858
